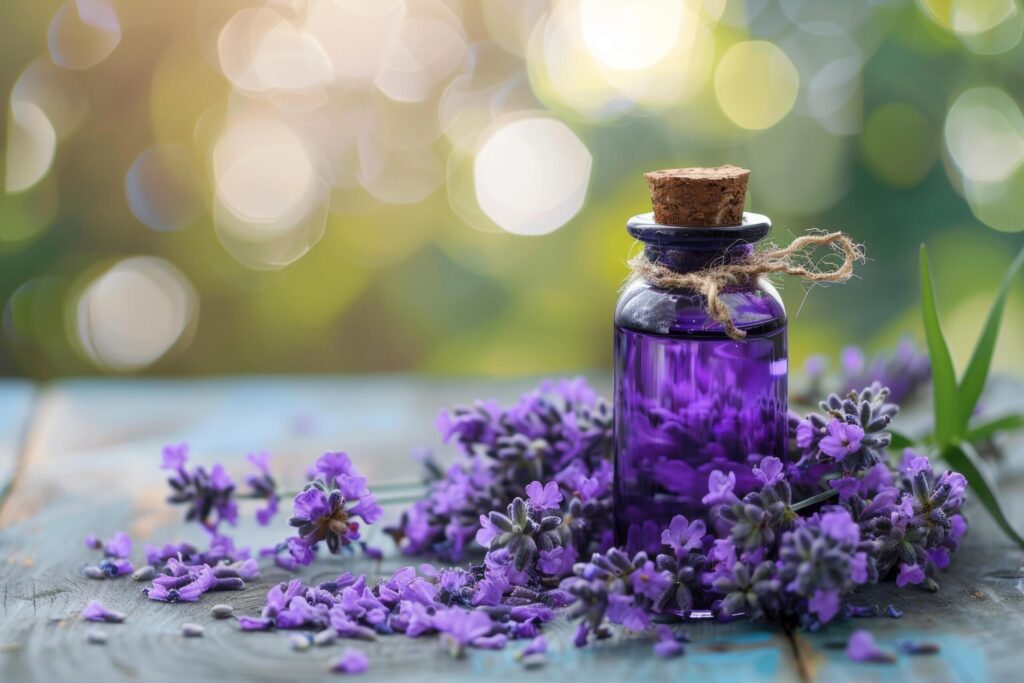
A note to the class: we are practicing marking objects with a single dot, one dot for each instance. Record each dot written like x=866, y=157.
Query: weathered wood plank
x=91, y=466
x=16, y=400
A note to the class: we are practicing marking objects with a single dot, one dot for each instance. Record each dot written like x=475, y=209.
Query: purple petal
x=255, y=623
x=862, y=648
x=351, y=662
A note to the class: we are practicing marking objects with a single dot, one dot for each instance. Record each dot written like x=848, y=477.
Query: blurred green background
x=219, y=186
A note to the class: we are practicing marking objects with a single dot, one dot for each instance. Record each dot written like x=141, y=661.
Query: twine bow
x=712, y=280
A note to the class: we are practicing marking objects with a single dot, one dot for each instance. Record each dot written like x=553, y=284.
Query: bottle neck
x=686, y=260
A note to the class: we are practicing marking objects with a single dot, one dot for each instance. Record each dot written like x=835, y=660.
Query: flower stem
x=392, y=499
x=817, y=498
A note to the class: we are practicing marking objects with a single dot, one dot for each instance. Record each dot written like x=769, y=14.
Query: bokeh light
x=531, y=175
x=83, y=33
x=969, y=16
x=55, y=91
x=756, y=84
x=31, y=146
x=472, y=100
x=657, y=59
x=985, y=134
x=269, y=192
x=135, y=313
x=630, y=34
x=999, y=39
x=263, y=172
x=309, y=163
x=160, y=190
x=997, y=204
x=424, y=50
x=355, y=35
x=510, y=24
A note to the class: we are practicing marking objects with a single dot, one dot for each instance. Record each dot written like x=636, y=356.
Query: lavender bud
x=94, y=572
x=227, y=584
x=192, y=630
x=325, y=637
x=301, y=642
x=534, y=661
x=221, y=611
x=144, y=573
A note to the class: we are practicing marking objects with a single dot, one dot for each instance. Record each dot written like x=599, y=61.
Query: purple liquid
x=687, y=404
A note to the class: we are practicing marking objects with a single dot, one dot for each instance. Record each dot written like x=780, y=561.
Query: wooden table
x=82, y=456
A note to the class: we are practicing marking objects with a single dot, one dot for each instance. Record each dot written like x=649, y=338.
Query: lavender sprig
x=764, y=556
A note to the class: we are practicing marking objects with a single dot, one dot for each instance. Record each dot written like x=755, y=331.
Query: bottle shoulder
x=758, y=309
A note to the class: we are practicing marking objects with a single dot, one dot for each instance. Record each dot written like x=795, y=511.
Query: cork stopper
x=699, y=197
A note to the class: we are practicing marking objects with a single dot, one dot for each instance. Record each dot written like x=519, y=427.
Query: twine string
x=789, y=260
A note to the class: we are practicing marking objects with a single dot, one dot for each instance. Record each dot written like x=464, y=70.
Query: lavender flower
x=820, y=561
x=682, y=536
x=851, y=433
x=560, y=433
x=118, y=546
x=544, y=497
x=862, y=648
x=460, y=628
x=755, y=591
x=351, y=662
x=668, y=644
x=604, y=587
x=755, y=521
x=537, y=646
x=720, y=489
x=534, y=489
x=843, y=440
x=116, y=566
x=686, y=571
x=186, y=584
x=649, y=581
x=324, y=514
x=159, y=555
x=255, y=623
x=95, y=611
x=904, y=370
x=915, y=523
x=332, y=465
x=524, y=531
x=209, y=496
x=262, y=485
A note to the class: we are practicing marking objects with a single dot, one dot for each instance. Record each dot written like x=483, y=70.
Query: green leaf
x=974, y=378
x=963, y=459
x=987, y=429
x=947, y=419
x=900, y=441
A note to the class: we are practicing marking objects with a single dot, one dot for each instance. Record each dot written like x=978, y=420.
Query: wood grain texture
x=90, y=465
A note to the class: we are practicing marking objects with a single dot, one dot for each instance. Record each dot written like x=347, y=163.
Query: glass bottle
x=688, y=399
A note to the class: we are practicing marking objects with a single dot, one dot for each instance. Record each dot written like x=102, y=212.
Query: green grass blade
x=976, y=375
x=963, y=459
x=944, y=390
x=987, y=429
x=899, y=441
